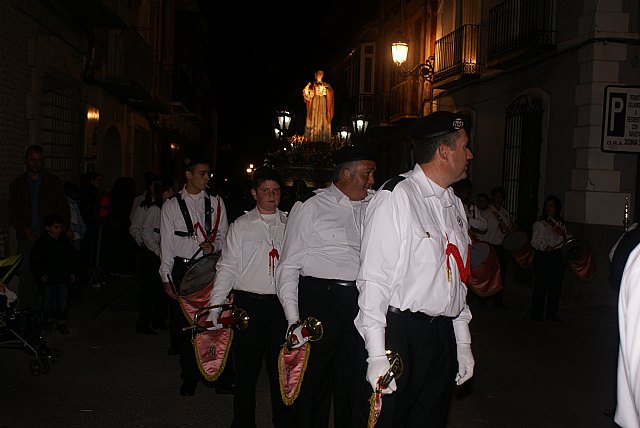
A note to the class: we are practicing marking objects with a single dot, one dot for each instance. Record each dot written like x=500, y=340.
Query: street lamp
x=283, y=121
x=360, y=124
x=344, y=135
x=399, y=51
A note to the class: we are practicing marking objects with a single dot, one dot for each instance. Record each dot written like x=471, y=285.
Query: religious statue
x=318, y=96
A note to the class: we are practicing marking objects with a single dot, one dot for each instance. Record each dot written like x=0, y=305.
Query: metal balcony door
x=521, y=164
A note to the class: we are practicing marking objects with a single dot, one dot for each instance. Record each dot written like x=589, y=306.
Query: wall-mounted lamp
x=399, y=51
x=93, y=114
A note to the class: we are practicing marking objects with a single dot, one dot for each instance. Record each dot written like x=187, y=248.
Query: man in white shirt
x=498, y=225
x=316, y=277
x=628, y=384
x=247, y=269
x=414, y=266
x=199, y=231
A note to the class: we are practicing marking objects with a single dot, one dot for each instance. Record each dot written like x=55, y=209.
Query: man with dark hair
x=316, y=277
x=247, y=269
x=193, y=224
x=33, y=195
x=414, y=266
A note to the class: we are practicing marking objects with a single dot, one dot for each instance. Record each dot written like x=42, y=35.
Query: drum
x=199, y=275
x=577, y=253
x=517, y=243
x=486, y=279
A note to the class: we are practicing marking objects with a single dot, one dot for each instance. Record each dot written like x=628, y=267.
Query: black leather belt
x=340, y=282
x=418, y=315
x=255, y=295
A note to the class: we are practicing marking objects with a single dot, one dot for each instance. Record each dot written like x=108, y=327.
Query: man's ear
x=345, y=174
x=443, y=151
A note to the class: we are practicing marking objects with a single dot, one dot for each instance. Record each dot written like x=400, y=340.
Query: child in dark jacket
x=54, y=265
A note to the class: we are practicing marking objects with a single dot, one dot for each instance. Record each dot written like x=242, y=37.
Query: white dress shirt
x=475, y=219
x=628, y=402
x=245, y=262
x=494, y=235
x=136, y=218
x=543, y=234
x=172, y=245
x=322, y=240
x=151, y=229
x=403, y=261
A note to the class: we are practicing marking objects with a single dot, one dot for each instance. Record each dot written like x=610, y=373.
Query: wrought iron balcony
x=98, y=13
x=129, y=65
x=518, y=30
x=405, y=101
x=457, y=56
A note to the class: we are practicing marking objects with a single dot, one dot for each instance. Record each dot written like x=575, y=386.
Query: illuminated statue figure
x=318, y=96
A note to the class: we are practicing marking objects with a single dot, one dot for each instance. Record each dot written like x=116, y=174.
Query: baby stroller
x=21, y=329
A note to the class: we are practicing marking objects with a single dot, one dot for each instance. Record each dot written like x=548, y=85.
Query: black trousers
x=336, y=362
x=427, y=347
x=153, y=299
x=548, y=268
x=259, y=343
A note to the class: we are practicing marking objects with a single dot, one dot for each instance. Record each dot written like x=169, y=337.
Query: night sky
x=277, y=46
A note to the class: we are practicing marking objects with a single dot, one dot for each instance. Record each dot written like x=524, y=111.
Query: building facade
x=532, y=75
x=113, y=86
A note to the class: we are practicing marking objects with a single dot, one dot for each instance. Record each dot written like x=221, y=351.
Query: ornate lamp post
x=399, y=51
x=360, y=124
x=283, y=121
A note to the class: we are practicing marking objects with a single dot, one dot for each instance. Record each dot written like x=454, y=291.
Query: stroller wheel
x=45, y=364
x=54, y=355
x=35, y=367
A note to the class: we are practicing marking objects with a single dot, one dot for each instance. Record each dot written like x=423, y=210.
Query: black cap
x=353, y=153
x=438, y=123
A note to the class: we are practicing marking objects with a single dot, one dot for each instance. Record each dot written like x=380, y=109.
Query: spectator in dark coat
x=32, y=195
x=54, y=266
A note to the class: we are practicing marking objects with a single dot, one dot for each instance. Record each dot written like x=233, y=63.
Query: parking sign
x=621, y=119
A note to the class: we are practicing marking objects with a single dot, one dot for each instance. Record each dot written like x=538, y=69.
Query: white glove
x=376, y=368
x=213, y=316
x=465, y=363
x=296, y=335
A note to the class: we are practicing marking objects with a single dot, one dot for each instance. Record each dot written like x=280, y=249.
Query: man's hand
x=378, y=367
x=466, y=363
x=168, y=288
x=214, y=315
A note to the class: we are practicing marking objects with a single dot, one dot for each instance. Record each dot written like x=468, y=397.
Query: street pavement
x=528, y=373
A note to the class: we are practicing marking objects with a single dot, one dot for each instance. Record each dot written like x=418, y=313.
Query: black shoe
x=187, y=389
x=225, y=389
x=160, y=325
x=145, y=329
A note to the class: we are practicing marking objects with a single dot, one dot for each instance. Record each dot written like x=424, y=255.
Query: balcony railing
x=520, y=29
x=404, y=101
x=129, y=65
x=99, y=13
x=457, y=55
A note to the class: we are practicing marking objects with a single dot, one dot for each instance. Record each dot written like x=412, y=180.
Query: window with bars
x=61, y=129
x=521, y=161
